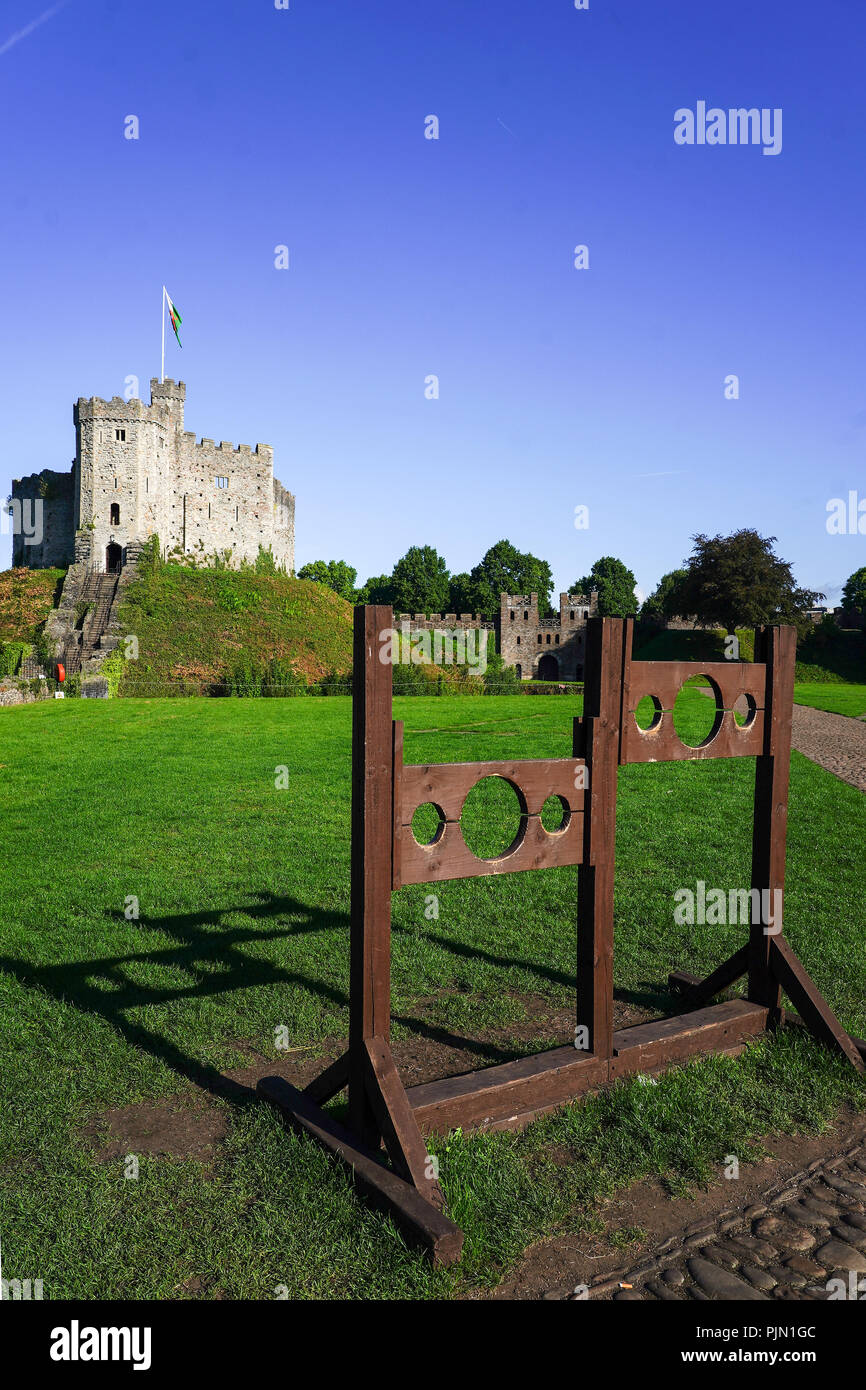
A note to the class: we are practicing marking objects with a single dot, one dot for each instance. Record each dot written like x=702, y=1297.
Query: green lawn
x=842, y=698
x=243, y=893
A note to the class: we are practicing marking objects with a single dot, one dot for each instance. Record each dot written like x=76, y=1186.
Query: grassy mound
x=200, y=626
x=26, y=599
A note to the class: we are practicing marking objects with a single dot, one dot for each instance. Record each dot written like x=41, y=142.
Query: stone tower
x=137, y=472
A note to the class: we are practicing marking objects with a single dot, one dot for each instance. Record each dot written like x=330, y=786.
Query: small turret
x=171, y=394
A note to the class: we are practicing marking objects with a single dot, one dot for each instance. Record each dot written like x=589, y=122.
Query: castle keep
x=137, y=472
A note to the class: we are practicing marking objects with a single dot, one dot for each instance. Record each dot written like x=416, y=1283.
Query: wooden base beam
x=515, y=1092
x=417, y=1217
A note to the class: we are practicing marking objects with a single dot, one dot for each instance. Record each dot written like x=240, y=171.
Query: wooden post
x=372, y=829
x=776, y=646
x=597, y=738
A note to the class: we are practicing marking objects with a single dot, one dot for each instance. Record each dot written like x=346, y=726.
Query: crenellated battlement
x=139, y=473
x=206, y=445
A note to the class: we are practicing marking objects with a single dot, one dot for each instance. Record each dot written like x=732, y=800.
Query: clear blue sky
x=411, y=257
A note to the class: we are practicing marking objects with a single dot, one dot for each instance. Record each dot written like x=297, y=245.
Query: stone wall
x=137, y=472
x=545, y=648
x=13, y=692
x=43, y=507
x=463, y=621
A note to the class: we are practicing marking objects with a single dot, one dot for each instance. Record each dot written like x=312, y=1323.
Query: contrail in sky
x=28, y=28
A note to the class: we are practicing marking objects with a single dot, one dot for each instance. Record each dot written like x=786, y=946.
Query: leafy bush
x=11, y=656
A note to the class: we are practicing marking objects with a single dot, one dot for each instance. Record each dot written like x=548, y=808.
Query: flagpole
x=162, y=370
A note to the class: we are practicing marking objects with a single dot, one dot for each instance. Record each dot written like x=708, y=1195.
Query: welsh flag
x=175, y=316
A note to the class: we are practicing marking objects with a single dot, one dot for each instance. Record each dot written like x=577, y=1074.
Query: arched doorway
x=113, y=556
x=548, y=668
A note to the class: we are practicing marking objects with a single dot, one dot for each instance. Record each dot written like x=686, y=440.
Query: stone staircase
x=82, y=644
x=89, y=640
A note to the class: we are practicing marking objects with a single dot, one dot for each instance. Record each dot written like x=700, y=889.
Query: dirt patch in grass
x=181, y=1130
x=557, y=1266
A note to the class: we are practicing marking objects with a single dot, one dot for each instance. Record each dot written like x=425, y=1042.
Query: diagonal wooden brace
x=695, y=993
x=417, y=1217
x=813, y=1008
x=397, y=1124
x=330, y=1082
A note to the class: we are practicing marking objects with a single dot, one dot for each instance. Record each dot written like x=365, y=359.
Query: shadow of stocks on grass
x=204, y=943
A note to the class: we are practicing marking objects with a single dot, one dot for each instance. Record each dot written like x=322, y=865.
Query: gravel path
x=806, y=1242
x=834, y=741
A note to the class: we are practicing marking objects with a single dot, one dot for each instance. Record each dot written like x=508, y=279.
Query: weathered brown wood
x=777, y=647
x=419, y=1219
x=330, y=1082
x=447, y=785
x=810, y=1003
x=600, y=742
x=540, y=1082
x=372, y=834
x=532, y=1085
x=396, y=800
x=397, y=1124
x=696, y=991
x=666, y=1041
x=385, y=855
x=664, y=679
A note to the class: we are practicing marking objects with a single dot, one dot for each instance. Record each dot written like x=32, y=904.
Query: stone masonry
x=538, y=648
x=137, y=472
x=545, y=648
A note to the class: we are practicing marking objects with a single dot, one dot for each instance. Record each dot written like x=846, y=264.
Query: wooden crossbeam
x=513, y=1093
x=417, y=1217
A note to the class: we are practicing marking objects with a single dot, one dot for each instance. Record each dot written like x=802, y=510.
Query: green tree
x=462, y=596
x=505, y=570
x=378, y=589
x=739, y=581
x=854, y=593
x=334, y=574
x=420, y=581
x=665, y=601
x=614, y=583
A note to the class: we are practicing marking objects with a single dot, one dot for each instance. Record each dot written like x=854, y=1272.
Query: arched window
x=525, y=616
x=518, y=641
x=115, y=514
